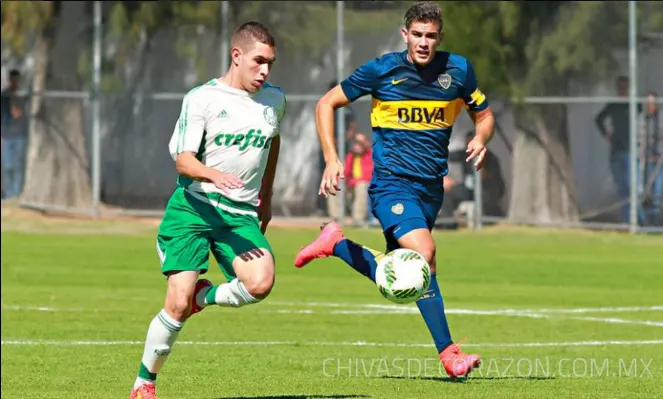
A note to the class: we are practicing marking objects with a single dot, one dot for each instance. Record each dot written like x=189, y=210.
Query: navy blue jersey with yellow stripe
x=414, y=109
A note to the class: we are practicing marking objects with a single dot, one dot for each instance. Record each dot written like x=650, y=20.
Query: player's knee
x=256, y=272
x=178, y=296
x=259, y=285
x=428, y=252
x=178, y=304
x=418, y=238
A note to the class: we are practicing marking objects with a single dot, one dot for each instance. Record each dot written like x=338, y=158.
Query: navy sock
x=360, y=258
x=431, y=307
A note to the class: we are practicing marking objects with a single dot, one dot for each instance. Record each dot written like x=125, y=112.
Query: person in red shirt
x=358, y=172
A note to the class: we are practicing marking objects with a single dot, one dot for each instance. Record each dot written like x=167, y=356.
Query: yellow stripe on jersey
x=477, y=97
x=415, y=114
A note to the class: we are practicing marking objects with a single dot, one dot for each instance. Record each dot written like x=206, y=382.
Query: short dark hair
x=622, y=79
x=14, y=73
x=424, y=11
x=253, y=31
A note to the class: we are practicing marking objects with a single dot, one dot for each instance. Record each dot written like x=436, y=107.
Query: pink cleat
x=321, y=247
x=145, y=391
x=200, y=285
x=458, y=364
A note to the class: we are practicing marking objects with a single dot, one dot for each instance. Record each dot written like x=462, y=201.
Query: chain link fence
x=552, y=160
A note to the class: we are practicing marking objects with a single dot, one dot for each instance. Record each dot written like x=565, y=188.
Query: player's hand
x=331, y=179
x=477, y=150
x=226, y=182
x=265, y=211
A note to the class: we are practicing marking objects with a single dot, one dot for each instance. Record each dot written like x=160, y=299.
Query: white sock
x=232, y=294
x=161, y=336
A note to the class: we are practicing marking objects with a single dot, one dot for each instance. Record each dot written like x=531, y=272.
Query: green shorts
x=195, y=223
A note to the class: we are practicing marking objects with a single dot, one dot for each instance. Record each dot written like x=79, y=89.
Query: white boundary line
x=333, y=344
x=408, y=308
x=615, y=320
x=369, y=308
x=19, y=308
x=381, y=309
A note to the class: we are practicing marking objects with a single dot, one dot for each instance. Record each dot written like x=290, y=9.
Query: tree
x=57, y=170
x=538, y=49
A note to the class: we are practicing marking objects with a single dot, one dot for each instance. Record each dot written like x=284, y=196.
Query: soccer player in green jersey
x=225, y=147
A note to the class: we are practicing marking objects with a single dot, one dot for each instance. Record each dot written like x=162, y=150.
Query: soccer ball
x=402, y=276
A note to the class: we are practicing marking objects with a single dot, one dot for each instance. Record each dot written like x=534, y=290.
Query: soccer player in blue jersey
x=417, y=95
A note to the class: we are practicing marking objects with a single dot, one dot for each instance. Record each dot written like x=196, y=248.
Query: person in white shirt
x=225, y=147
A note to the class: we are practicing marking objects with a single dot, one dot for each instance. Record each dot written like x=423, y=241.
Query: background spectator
x=617, y=133
x=14, y=138
x=652, y=157
x=358, y=174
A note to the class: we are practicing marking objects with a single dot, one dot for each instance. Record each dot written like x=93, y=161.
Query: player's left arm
x=267, y=184
x=481, y=114
x=266, y=189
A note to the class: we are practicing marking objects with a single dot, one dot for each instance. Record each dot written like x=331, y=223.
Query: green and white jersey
x=230, y=130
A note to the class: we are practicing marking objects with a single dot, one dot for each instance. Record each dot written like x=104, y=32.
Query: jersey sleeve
x=280, y=109
x=283, y=106
x=362, y=81
x=473, y=98
x=190, y=127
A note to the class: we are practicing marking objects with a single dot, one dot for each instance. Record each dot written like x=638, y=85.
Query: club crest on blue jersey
x=444, y=80
x=397, y=209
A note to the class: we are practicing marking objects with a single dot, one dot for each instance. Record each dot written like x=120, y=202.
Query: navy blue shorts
x=402, y=205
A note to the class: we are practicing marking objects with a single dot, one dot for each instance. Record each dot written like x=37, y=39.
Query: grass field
x=552, y=313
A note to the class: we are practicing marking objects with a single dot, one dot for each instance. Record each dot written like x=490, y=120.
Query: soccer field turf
x=552, y=313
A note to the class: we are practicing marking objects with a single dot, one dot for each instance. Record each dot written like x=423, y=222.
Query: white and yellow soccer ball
x=402, y=276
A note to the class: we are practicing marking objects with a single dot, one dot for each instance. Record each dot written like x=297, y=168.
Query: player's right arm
x=186, y=142
x=361, y=82
x=324, y=119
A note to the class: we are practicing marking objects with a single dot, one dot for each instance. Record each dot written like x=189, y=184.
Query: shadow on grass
x=295, y=397
x=464, y=380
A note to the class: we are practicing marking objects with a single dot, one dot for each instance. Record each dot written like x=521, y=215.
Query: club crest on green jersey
x=270, y=116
